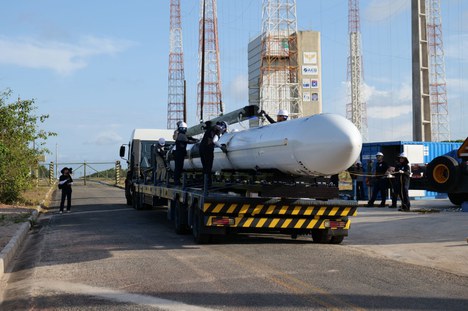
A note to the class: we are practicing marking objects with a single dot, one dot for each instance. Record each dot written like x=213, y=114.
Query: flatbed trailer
x=208, y=213
x=300, y=199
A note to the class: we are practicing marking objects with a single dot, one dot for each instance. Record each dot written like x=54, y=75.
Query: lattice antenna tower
x=356, y=109
x=437, y=82
x=176, y=108
x=279, y=85
x=209, y=104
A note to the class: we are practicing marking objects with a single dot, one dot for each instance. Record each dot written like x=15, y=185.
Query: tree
x=21, y=142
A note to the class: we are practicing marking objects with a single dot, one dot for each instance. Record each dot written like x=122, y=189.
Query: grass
x=6, y=219
x=35, y=195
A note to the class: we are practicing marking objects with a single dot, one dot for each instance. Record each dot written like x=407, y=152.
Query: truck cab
x=137, y=154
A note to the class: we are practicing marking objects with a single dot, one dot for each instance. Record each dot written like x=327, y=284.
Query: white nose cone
x=329, y=146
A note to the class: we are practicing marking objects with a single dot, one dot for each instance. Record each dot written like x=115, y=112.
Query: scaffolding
x=279, y=86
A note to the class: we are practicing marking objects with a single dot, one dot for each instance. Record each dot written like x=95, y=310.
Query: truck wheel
x=443, y=173
x=198, y=236
x=137, y=201
x=458, y=198
x=180, y=217
x=134, y=200
x=321, y=236
x=129, y=201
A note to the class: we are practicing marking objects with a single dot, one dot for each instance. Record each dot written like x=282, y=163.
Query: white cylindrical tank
x=319, y=145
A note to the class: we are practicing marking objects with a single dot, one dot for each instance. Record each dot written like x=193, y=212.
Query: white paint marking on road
x=120, y=296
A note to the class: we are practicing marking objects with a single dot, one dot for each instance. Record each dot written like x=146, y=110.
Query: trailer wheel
x=321, y=236
x=336, y=239
x=458, y=198
x=198, y=236
x=443, y=173
x=180, y=217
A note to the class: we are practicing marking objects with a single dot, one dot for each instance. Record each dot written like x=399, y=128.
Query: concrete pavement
x=434, y=234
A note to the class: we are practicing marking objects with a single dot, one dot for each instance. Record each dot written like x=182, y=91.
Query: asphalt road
x=106, y=256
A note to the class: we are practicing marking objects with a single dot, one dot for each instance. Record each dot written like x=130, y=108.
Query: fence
x=107, y=172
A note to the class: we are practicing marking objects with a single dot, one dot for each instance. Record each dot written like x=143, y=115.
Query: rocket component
x=319, y=145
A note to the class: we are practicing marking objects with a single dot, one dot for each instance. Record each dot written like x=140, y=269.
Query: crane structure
x=176, y=105
x=279, y=85
x=440, y=130
x=209, y=99
x=356, y=109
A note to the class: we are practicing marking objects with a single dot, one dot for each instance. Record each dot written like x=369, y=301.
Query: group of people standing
x=380, y=178
x=397, y=178
x=206, y=147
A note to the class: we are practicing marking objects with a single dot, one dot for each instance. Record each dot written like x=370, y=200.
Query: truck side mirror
x=122, y=151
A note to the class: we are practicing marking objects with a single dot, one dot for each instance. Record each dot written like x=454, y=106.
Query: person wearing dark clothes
x=207, y=145
x=281, y=116
x=357, y=177
x=160, y=161
x=380, y=181
x=401, y=183
x=180, y=150
x=65, y=184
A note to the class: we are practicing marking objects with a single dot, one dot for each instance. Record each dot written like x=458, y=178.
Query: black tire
x=443, y=174
x=458, y=198
x=321, y=236
x=336, y=239
x=128, y=196
x=180, y=217
x=129, y=201
x=128, y=193
x=137, y=201
x=198, y=236
x=134, y=200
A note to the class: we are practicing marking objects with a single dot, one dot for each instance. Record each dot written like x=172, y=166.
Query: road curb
x=9, y=251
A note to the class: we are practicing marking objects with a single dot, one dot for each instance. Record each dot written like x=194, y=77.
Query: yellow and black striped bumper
x=233, y=209
x=321, y=215
x=281, y=223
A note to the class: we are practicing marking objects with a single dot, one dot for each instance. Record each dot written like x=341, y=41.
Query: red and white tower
x=356, y=110
x=176, y=79
x=209, y=104
x=440, y=130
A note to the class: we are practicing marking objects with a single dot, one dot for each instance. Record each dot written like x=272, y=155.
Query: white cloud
x=379, y=10
x=63, y=58
x=383, y=104
x=387, y=112
x=108, y=137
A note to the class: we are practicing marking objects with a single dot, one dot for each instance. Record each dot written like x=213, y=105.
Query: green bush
x=21, y=142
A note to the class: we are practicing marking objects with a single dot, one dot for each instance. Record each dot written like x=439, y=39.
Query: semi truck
x=267, y=181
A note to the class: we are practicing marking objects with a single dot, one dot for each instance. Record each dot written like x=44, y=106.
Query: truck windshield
x=146, y=153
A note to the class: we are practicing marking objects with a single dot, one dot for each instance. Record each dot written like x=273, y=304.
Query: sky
x=99, y=68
